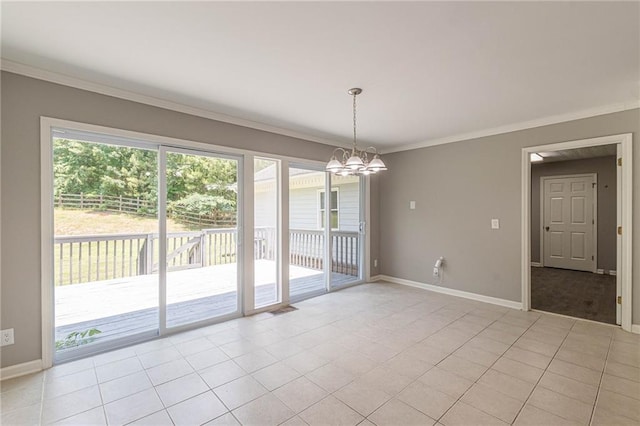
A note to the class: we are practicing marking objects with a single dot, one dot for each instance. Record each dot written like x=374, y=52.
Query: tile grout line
x=593, y=409
x=489, y=368
x=545, y=371
x=391, y=396
x=44, y=378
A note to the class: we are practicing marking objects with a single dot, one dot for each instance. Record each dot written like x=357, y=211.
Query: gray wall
x=458, y=188
x=24, y=100
x=605, y=167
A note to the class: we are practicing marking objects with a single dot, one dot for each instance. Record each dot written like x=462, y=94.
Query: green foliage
x=77, y=338
x=81, y=167
x=201, y=204
x=101, y=169
x=190, y=174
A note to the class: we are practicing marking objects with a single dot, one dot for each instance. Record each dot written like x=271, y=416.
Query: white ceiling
x=430, y=71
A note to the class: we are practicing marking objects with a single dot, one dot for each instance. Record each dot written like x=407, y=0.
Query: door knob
x=546, y=228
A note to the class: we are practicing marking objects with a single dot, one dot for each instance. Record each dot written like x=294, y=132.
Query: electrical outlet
x=375, y=263
x=436, y=272
x=6, y=337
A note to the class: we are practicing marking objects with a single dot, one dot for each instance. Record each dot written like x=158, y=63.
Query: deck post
x=203, y=248
x=149, y=254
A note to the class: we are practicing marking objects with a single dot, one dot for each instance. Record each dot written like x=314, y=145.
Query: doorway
x=576, y=229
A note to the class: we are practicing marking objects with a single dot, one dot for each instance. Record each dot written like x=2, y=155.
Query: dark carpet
x=574, y=293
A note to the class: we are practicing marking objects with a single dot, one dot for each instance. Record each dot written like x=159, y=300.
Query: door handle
x=546, y=228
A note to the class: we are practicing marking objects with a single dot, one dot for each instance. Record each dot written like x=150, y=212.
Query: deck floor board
x=86, y=306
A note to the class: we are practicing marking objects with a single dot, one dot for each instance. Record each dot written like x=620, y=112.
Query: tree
x=96, y=168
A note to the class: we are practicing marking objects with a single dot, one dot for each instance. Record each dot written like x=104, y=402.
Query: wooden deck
x=127, y=306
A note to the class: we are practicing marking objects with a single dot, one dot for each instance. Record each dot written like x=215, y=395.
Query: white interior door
x=569, y=222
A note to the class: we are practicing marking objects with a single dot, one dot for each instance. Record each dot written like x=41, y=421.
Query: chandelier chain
x=355, y=143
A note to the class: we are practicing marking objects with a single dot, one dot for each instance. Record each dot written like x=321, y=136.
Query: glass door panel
x=202, y=237
x=346, y=239
x=306, y=232
x=266, y=230
x=105, y=243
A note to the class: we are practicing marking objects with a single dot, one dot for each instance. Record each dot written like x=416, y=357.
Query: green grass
x=92, y=222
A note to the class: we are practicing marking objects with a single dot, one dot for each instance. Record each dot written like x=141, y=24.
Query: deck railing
x=87, y=258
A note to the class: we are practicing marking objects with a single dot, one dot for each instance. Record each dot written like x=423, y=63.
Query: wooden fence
x=87, y=258
x=141, y=206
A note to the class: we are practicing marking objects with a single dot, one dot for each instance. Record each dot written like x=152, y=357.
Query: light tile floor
x=377, y=354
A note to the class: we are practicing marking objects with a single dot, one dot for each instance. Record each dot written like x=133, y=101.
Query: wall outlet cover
x=6, y=337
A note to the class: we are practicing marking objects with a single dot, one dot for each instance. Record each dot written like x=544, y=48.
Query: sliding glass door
x=201, y=236
x=145, y=240
x=307, y=225
x=105, y=244
x=345, y=214
x=266, y=208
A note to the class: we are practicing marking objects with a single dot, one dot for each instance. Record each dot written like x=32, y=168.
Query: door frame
x=595, y=215
x=625, y=196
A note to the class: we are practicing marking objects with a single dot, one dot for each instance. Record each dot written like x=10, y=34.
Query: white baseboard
x=612, y=272
x=536, y=264
x=20, y=369
x=452, y=292
x=375, y=278
x=635, y=328
x=600, y=271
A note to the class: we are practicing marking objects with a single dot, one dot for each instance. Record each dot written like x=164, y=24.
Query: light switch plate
x=412, y=205
x=495, y=224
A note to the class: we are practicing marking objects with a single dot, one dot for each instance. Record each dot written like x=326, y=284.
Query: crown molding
x=65, y=80
x=554, y=119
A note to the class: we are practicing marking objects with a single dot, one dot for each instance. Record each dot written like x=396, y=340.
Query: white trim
x=618, y=238
x=523, y=125
x=375, y=278
x=246, y=241
x=536, y=264
x=169, y=142
x=284, y=255
x=367, y=229
x=576, y=318
x=624, y=192
x=594, y=209
x=65, y=80
x=600, y=271
x=612, y=272
x=635, y=328
x=453, y=292
x=46, y=244
x=21, y=369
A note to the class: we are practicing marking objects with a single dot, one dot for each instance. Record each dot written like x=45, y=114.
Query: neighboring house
x=306, y=200
x=306, y=217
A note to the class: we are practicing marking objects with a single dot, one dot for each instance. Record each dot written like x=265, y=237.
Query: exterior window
x=334, y=209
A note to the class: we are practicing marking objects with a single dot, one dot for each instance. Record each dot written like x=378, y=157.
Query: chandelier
x=355, y=161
